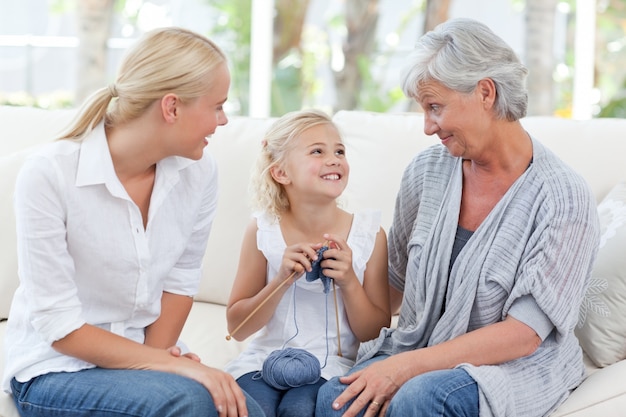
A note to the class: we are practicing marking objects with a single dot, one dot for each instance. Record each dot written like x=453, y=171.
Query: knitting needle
x=337, y=320
x=253, y=312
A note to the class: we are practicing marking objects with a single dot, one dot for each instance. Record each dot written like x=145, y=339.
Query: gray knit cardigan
x=538, y=244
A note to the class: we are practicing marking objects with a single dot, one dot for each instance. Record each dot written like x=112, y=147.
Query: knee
x=410, y=398
x=439, y=393
x=326, y=396
x=188, y=397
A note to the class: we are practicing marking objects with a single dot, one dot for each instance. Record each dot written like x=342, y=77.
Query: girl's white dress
x=306, y=315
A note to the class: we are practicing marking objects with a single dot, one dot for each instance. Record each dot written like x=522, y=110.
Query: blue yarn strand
x=293, y=367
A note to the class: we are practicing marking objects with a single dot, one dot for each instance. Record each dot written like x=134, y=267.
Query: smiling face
x=316, y=163
x=458, y=119
x=199, y=118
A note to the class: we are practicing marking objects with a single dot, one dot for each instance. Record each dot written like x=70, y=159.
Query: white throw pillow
x=601, y=327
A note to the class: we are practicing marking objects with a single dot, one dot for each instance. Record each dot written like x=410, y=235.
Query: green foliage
x=60, y=6
x=287, y=91
x=611, y=59
x=616, y=107
x=232, y=31
x=55, y=100
x=373, y=96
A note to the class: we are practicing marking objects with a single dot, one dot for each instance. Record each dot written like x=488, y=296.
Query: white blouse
x=85, y=257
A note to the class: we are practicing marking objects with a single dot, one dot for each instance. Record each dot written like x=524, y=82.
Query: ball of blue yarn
x=290, y=368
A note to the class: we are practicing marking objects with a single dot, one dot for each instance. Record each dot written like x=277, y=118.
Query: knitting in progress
x=316, y=270
x=293, y=367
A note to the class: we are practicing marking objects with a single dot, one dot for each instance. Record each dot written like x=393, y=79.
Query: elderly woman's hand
x=373, y=387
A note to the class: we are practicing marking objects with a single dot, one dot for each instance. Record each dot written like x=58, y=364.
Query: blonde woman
x=302, y=170
x=112, y=223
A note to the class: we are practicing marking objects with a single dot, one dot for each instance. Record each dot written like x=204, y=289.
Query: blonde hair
x=165, y=60
x=267, y=194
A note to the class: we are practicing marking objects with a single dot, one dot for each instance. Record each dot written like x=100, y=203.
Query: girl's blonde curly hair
x=267, y=194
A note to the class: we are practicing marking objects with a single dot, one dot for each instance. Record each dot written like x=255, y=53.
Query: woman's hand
x=494, y=344
x=108, y=350
x=224, y=390
x=177, y=352
x=372, y=388
x=227, y=396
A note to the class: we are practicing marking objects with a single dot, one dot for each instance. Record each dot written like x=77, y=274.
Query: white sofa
x=378, y=148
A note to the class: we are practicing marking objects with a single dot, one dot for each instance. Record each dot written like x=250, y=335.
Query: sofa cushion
x=235, y=147
x=372, y=140
x=9, y=167
x=7, y=408
x=594, y=148
x=601, y=394
x=23, y=127
x=602, y=322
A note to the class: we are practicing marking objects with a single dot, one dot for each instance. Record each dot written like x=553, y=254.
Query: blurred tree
x=539, y=35
x=94, y=30
x=232, y=27
x=437, y=11
x=361, y=17
x=611, y=58
x=290, y=84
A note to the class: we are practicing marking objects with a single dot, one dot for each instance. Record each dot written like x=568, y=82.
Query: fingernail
x=336, y=406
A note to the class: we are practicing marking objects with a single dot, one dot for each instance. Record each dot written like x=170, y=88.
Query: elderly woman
x=491, y=246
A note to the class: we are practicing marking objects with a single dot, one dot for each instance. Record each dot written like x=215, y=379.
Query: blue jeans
x=449, y=393
x=294, y=402
x=102, y=392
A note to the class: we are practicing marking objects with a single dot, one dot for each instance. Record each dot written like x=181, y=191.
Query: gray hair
x=458, y=54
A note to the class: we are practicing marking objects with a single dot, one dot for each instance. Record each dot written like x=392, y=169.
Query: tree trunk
x=436, y=12
x=94, y=27
x=540, y=15
x=361, y=22
x=288, y=81
x=288, y=24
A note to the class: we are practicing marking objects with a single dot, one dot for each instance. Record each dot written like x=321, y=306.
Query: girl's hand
x=337, y=263
x=297, y=258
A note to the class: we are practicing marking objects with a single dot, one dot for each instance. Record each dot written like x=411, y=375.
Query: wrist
x=349, y=284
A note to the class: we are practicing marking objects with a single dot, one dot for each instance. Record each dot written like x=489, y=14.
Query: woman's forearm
x=491, y=345
x=107, y=350
x=165, y=331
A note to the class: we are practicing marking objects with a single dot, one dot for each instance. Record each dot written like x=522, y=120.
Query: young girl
x=301, y=171
x=112, y=224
